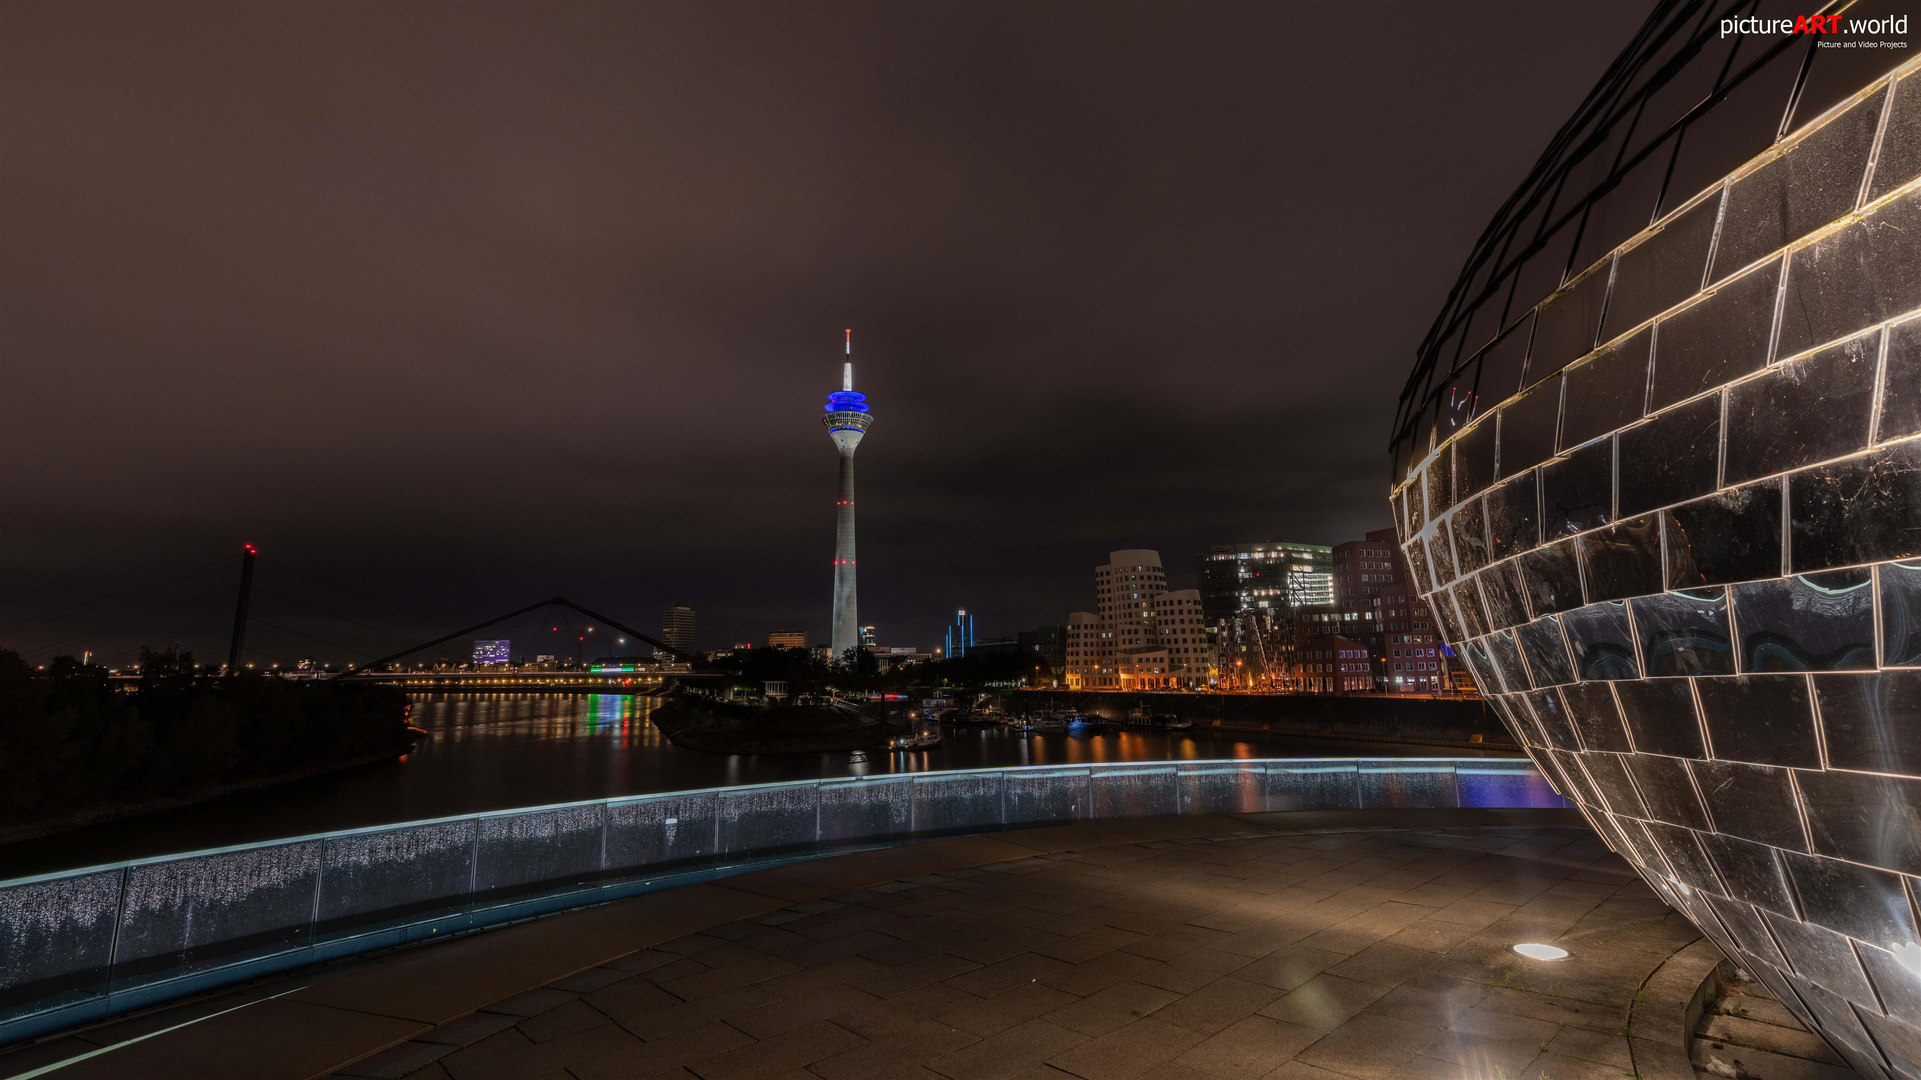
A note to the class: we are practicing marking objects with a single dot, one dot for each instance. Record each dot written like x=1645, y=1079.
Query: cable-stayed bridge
x=269, y=615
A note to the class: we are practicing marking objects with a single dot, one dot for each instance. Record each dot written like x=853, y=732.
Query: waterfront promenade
x=1294, y=946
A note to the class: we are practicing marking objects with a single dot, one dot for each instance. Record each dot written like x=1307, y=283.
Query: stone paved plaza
x=1371, y=953
x=1292, y=946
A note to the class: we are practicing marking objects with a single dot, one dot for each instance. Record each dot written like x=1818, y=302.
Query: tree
x=73, y=739
x=857, y=669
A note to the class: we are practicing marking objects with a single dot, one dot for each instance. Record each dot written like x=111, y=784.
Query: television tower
x=847, y=420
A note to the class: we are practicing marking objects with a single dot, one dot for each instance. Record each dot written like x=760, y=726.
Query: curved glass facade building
x=1658, y=471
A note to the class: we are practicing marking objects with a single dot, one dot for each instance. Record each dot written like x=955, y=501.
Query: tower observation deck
x=847, y=420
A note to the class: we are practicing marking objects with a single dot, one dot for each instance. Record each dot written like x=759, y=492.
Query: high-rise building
x=868, y=636
x=1124, y=592
x=1658, y=471
x=960, y=635
x=1273, y=642
x=1417, y=660
x=787, y=639
x=1125, y=644
x=1362, y=568
x=1250, y=579
x=677, y=629
x=1082, y=657
x=1181, y=628
x=847, y=420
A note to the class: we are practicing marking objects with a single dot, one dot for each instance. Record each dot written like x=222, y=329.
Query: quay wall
x=1378, y=718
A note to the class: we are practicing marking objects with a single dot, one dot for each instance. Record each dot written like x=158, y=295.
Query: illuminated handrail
x=81, y=944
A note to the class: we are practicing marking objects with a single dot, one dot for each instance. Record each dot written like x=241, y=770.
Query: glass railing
x=82, y=944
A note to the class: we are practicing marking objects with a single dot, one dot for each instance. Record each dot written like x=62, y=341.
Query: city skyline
x=1113, y=337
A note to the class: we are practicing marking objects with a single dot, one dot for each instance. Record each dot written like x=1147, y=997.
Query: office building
x=960, y=635
x=1658, y=471
x=1124, y=592
x=868, y=635
x=1181, y=628
x=887, y=658
x=1045, y=647
x=787, y=639
x=994, y=647
x=1252, y=652
x=677, y=629
x=1333, y=664
x=1417, y=660
x=1125, y=643
x=848, y=418
x=1246, y=579
x=1083, y=657
x=1362, y=568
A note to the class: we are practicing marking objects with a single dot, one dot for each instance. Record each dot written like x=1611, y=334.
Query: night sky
x=463, y=305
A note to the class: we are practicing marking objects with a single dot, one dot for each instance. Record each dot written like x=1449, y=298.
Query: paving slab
x=1372, y=1046
x=1248, y=1048
x=1127, y=1051
x=1020, y=1051
x=1218, y=1005
x=1117, y=1006
x=1324, y=1002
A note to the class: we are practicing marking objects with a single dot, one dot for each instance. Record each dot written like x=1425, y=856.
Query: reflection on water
x=495, y=751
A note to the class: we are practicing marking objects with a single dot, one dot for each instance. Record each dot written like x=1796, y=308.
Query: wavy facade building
x=1658, y=471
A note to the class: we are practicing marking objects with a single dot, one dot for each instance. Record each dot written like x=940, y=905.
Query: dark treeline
x=69, y=741
x=805, y=672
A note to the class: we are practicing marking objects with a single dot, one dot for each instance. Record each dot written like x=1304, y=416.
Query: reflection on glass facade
x=1673, y=407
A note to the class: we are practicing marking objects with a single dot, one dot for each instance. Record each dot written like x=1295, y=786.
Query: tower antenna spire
x=847, y=371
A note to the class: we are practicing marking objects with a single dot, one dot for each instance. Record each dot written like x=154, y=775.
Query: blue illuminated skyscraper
x=847, y=420
x=960, y=635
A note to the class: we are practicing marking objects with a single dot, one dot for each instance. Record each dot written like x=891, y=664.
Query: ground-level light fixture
x=1541, y=952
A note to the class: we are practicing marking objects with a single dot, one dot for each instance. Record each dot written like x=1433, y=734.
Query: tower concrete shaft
x=846, y=633
x=847, y=420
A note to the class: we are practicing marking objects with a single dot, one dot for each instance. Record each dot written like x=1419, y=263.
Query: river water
x=497, y=751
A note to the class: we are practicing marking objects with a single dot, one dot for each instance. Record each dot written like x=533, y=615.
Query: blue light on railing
x=846, y=401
